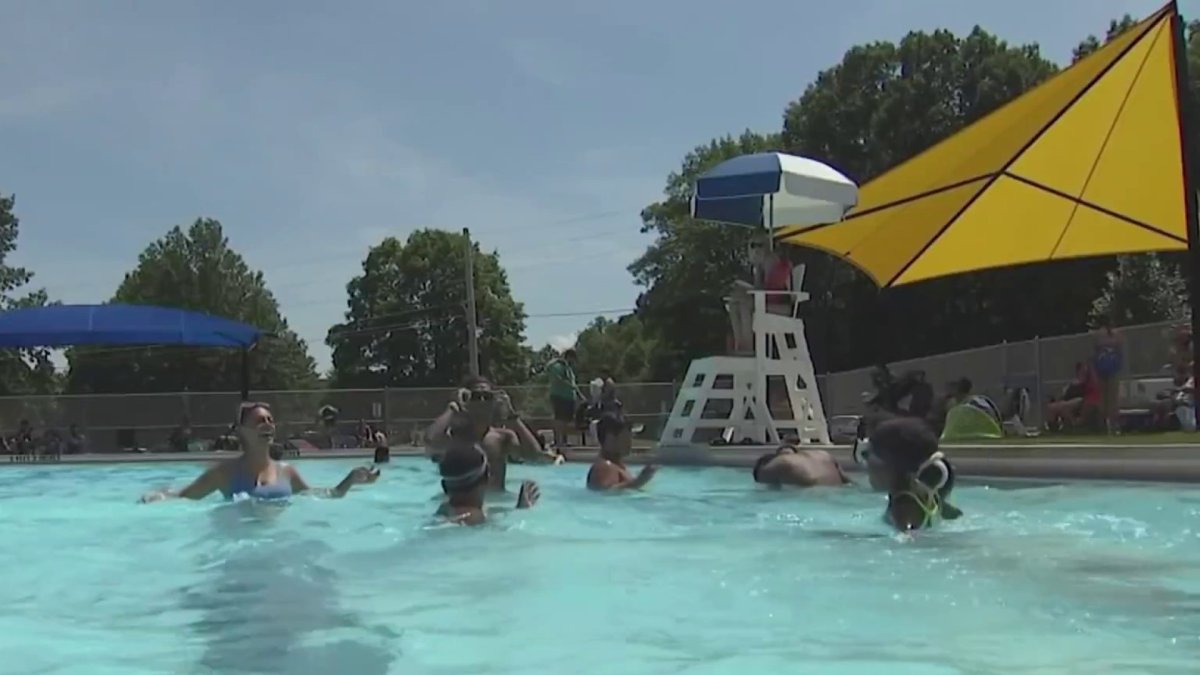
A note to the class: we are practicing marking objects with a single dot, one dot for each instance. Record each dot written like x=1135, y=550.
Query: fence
x=1043, y=365
x=147, y=420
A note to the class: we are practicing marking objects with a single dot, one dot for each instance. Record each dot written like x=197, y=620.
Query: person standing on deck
x=564, y=395
x=1108, y=359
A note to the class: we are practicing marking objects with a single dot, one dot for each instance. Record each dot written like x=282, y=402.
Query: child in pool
x=465, y=473
x=903, y=458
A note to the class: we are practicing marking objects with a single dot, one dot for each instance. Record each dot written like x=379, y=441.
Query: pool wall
x=1144, y=463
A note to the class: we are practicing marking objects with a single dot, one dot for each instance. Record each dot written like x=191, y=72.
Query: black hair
x=904, y=443
x=458, y=466
x=610, y=425
x=383, y=454
x=472, y=381
x=570, y=354
x=762, y=461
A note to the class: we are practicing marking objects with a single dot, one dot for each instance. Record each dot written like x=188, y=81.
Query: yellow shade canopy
x=1088, y=163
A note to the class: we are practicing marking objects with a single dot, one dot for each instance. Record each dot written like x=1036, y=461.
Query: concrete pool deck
x=1174, y=463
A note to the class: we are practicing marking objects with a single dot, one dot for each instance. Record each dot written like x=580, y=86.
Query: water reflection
x=267, y=604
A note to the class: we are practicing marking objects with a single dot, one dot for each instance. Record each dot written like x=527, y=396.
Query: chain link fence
x=147, y=420
x=1042, y=365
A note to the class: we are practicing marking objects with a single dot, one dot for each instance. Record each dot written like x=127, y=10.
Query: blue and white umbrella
x=772, y=190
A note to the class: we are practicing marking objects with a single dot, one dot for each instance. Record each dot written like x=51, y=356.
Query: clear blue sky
x=313, y=129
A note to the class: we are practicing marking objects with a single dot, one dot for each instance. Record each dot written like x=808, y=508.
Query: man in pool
x=609, y=472
x=465, y=471
x=471, y=419
x=789, y=465
x=903, y=459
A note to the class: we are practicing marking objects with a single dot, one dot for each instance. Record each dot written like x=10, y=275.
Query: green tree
x=689, y=267
x=405, y=316
x=25, y=371
x=622, y=347
x=1142, y=289
x=196, y=270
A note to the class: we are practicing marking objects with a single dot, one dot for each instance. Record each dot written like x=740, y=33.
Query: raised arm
x=437, y=436
x=524, y=444
x=358, y=476
x=209, y=482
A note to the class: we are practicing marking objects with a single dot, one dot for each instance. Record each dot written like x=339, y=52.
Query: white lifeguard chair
x=766, y=398
x=772, y=395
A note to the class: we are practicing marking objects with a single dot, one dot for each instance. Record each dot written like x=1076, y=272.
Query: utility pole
x=472, y=328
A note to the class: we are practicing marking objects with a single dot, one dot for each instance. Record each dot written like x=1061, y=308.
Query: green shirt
x=562, y=379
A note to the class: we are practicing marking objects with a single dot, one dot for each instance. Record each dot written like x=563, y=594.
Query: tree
x=622, y=347
x=1142, y=289
x=25, y=371
x=688, y=269
x=196, y=270
x=405, y=316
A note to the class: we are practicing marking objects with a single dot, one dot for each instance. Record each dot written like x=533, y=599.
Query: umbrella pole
x=245, y=373
x=1183, y=106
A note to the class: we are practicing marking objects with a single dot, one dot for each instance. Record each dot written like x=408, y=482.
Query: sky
x=312, y=130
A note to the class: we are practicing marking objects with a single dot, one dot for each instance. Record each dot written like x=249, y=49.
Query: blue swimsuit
x=242, y=484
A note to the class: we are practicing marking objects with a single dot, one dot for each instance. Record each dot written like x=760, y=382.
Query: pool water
x=703, y=573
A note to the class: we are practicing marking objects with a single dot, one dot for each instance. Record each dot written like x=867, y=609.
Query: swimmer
x=485, y=417
x=903, y=458
x=801, y=468
x=608, y=472
x=255, y=474
x=465, y=472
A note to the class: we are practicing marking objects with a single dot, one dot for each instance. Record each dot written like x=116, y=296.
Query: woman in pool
x=255, y=474
x=903, y=459
x=465, y=472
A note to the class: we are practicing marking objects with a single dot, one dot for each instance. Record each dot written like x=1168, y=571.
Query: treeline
x=404, y=319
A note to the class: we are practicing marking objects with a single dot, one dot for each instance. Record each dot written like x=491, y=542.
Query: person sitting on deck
x=609, y=472
x=789, y=465
x=254, y=474
x=903, y=459
x=1080, y=400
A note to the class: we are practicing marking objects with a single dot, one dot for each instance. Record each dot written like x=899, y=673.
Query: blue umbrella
x=772, y=190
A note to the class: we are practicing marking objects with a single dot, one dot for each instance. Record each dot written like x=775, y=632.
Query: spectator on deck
x=76, y=441
x=1108, y=359
x=181, y=436
x=24, y=438
x=1079, y=398
x=564, y=394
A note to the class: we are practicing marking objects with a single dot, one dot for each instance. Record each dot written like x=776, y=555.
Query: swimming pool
x=704, y=573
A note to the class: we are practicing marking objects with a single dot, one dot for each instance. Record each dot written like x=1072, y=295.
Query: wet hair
x=248, y=407
x=910, y=448
x=610, y=425
x=473, y=381
x=762, y=461
x=463, y=468
x=570, y=354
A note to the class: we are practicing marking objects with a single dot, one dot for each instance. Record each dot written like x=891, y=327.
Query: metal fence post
x=1039, y=399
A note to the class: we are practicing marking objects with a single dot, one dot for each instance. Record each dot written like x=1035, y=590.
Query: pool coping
x=1173, y=463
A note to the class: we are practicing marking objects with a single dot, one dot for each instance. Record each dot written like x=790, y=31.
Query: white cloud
x=561, y=342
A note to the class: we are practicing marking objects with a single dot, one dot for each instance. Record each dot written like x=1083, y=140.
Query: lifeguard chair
x=771, y=395
x=754, y=400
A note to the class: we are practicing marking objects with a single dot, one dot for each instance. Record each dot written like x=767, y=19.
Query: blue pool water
x=704, y=573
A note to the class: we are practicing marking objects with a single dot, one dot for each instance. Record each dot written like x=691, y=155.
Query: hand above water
x=529, y=494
